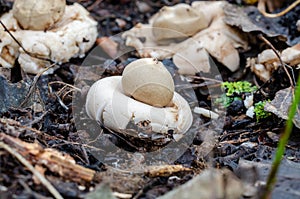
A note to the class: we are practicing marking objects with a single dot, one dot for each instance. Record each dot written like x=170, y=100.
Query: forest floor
x=44, y=127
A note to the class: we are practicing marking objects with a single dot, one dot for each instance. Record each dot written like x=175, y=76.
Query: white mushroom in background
x=184, y=20
x=267, y=61
x=38, y=14
x=291, y=55
x=68, y=37
x=109, y=103
x=190, y=55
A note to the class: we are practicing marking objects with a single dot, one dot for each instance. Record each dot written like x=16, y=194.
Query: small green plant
x=259, y=111
x=239, y=87
x=233, y=91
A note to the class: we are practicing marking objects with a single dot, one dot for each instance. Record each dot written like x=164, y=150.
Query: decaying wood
x=36, y=173
x=165, y=170
x=55, y=161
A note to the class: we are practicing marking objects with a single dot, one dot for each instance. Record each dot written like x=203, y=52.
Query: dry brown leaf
x=281, y=103
x=211, y=183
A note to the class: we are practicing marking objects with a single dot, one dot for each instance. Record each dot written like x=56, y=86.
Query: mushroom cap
x=267, y=56
x=192, y=59
x=107, y=103
x=38, y=14
x=148, y=81
x=177, y=21
x=291, y=55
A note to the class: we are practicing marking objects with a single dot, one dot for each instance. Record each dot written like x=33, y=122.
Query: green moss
x=239, y=87
x=226, y=100
x=234, y=90
x=259, y=111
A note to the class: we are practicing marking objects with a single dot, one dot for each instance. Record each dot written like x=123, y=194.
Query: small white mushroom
x=107, y=102
x=179, y=21
x=38, y=14
x=148, y=81
x=262, y=73
x=267, y=62
x=267, y=56
x=291, y=55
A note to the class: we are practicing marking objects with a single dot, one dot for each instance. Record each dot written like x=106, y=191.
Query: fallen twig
x=262, y=8
x=57, y=162
x=33, y=85
x=41, y=178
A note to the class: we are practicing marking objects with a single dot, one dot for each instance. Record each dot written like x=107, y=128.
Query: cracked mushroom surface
x=108, y=103
x=72, y=36
x=38, y=14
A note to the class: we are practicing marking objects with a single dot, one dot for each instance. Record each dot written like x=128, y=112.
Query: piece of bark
x=165, y=170
x=55, y=161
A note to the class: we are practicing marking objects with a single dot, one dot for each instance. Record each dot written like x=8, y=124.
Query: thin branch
x=262, y=8
x=41, y=178
x=33, y=86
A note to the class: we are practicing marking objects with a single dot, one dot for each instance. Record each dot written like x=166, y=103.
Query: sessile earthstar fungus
x=57, y=34
x=113, y=101
x=147, y=80
x=189, y=34
x=182, y=18
x=267, y=61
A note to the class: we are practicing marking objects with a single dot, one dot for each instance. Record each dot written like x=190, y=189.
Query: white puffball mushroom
x=70, y=37
x=148, y=81
x=38, y=14
x=179, y=21
x=106, y=102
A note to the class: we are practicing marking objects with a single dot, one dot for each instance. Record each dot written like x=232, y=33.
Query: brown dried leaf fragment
x=281, y=103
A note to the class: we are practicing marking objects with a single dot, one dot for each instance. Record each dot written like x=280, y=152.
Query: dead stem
x=41, y=178
x=65, y=84
x=33, y=85
x=262, y=8
x=60, y=92
x=292, y=81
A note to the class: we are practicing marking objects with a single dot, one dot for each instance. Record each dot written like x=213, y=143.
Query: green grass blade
x=282, y=143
